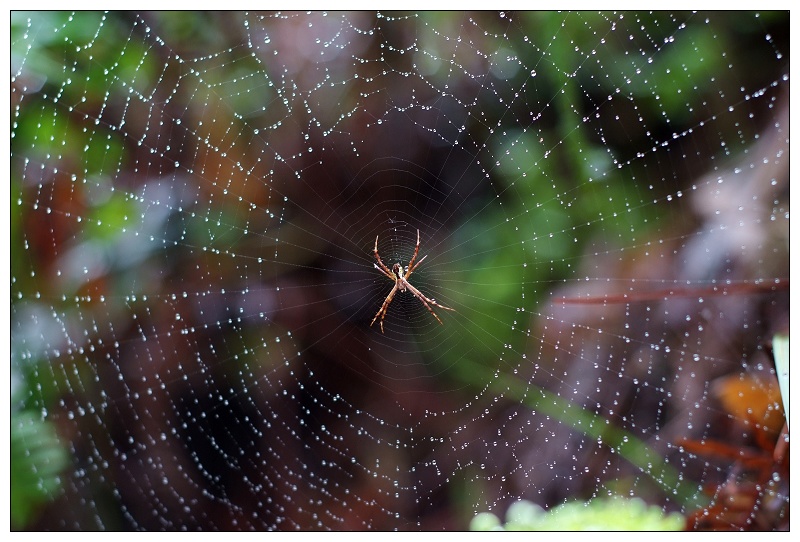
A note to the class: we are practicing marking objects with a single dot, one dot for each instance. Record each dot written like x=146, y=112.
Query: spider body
x=400, y=278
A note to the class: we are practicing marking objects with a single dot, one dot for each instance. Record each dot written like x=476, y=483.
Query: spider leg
x=411, y=269
x=425, y=300
x=386, y=270
x=384, y=307
x=411, y=265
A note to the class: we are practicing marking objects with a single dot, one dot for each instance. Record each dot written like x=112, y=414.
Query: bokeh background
x=602, y=197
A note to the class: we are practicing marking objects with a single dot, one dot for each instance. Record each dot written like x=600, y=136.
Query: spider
x=401, y=283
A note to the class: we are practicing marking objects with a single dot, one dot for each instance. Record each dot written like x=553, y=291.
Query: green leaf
x=37, y=459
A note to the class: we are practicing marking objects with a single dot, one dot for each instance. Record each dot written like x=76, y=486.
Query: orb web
x=602, y=198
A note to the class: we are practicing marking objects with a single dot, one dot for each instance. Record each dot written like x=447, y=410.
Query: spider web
x=601, y=197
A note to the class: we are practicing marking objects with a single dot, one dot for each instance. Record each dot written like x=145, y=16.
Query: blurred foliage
x=665, y=476
x=780, y=346
x=612, y=514
x=559, y=184
x=556, y=185
x=105, y=53
x=754, y=495
x=37, y=460
x=748, y=397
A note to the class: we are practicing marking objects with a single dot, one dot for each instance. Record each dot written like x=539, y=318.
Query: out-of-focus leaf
x=37, y=459
x=780, y=347
x=748, y=397
x=615, y=514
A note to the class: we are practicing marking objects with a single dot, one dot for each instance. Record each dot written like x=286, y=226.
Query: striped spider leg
x=400, y=278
